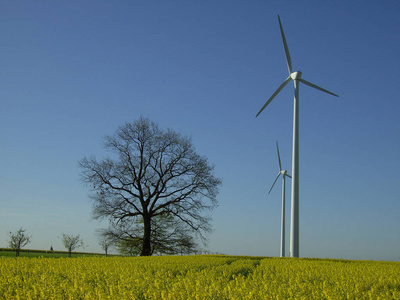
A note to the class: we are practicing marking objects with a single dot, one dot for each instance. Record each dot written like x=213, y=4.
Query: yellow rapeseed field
x=197, y=277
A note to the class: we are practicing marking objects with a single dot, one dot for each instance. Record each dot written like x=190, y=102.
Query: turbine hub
x=283, y=172
x=296, y=75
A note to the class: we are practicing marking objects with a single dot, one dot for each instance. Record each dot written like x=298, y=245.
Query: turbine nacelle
x=281, y=172
x=296, y=75
x=292, y=75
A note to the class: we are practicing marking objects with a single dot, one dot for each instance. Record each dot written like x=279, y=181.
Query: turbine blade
x=279, y=157
x=274, y=183
x=288, y=175
x=288, y=60
x=316, y=87
x=274, y=94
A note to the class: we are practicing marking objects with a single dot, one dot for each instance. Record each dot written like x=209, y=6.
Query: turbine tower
x=284, y=174
x=296, y=77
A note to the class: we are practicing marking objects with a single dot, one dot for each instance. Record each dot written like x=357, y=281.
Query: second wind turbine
x=296, y=77
x=284, y=174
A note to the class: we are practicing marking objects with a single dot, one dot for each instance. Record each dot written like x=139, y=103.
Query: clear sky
x=71, y=72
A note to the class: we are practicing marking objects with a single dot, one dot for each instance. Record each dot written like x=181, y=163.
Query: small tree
x=105, y=244
x=72, y=242
x=18, y=240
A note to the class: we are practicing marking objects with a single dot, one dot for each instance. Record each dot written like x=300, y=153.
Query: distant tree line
x=20, y=239
x=126, y=247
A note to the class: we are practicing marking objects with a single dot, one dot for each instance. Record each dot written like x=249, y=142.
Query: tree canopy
x=155, y=190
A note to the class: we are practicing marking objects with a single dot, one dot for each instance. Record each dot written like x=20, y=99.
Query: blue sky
x=71, y=72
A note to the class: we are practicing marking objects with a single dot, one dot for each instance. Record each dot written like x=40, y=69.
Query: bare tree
x=105, y=244
x=72, y=242
x=155, y=175
x=18, y=240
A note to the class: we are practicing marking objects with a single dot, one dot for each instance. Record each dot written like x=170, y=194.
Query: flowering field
x=197, y=277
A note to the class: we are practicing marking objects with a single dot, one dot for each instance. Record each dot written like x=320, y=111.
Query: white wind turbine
x=284, y=174
x=296, y=77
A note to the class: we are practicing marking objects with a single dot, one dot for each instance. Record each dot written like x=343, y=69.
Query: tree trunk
x=146, y=246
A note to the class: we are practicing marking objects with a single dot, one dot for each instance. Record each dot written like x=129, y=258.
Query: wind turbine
x=296, y=77
x=284, y=174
